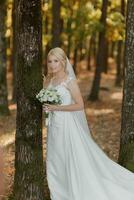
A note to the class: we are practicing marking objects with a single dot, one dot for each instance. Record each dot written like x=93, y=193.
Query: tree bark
x=94, y=95
x=14, y=53
x=29, y=173
x=56, y=24
x=69, y=37
x=119, y=60
x=47, y=48
x=3, y=82
x=105, y=59
x=94, y=48
x=112, y=49
x=75, y=58
x=118, y=64
x=89, y=54
x=126, y=154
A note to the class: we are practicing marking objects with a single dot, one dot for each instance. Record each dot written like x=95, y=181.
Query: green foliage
x=47, y=22
x=81, y=20
x=115, y=22
x=115, y=26
x=114, y=4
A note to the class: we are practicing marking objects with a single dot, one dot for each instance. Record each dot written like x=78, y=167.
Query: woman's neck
x=59, y=75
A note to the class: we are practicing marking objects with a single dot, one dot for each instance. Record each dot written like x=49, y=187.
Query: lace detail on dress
x=65, y=82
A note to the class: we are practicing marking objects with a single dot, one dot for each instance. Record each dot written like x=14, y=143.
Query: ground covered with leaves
x=104, y=119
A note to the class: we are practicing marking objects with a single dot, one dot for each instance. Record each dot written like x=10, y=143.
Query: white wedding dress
x=76, y=167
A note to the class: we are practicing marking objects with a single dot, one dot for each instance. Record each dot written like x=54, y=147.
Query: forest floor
x=104, y=119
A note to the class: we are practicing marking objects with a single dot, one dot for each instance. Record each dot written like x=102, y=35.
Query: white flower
x=50, y=99
x=44, y=98
x=50, y=95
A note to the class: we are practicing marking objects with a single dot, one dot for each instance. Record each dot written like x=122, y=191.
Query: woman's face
x=54, y=65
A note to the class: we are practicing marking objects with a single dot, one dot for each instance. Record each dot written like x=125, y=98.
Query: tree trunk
x=100, y=55
x=69, y=46
x=123, y=7
x=75, y=59
x=119, y=60
x=118, y=64
x=29, y=173
x=112, y=49
x=14, y=53
x=81, y=55
x=105, y=60
x=94, y=48
x=69, y=35
x=3, y=82
x=126, y=154
x=89, y=54
x=47, y=49
x=56, y=24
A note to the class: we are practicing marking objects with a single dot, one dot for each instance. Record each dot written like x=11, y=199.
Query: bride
x=76, y=167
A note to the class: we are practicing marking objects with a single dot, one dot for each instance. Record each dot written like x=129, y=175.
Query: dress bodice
x=63, y=91
x=56, y=117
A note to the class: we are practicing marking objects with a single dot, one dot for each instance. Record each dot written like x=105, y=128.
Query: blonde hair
x=59, y=54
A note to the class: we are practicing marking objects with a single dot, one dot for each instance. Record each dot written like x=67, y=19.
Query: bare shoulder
x=71, y=82
x=73, y=86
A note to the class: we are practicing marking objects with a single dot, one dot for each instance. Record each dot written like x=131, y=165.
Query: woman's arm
x=77, y=97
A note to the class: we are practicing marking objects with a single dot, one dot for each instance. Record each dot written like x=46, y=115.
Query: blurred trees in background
x=102, y=55
x=56, y=23
x=79, y=26
x=120, y=54
x=3, y=44
x=13, y=51
x=76, y=26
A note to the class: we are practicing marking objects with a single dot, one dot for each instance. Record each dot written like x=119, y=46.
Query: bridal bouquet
x=49, y=96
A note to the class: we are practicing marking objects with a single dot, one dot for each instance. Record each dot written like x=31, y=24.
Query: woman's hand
x=49, y=107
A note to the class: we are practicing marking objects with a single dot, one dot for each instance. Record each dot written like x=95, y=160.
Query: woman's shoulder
x=70, y=79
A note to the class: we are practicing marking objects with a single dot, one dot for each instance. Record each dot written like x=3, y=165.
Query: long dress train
x=77, y=168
